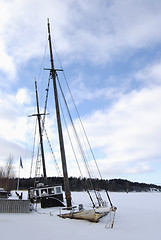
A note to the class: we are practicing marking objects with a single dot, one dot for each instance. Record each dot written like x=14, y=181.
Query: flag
x=21, y=162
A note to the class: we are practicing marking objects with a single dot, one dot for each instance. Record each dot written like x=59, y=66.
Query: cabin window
x=51, y=190
x=58, y=190
x=37, y=193
x=44, y=192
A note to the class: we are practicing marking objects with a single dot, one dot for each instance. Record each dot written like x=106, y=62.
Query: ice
x=137, y=217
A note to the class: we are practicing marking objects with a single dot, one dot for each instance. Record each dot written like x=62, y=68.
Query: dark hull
x=54, y=200
x=3, y=194
x=47, y=202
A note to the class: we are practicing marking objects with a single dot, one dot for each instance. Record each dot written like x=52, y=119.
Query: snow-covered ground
x=138, y=217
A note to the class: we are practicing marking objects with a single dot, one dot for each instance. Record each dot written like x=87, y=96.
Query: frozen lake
x=138, y=217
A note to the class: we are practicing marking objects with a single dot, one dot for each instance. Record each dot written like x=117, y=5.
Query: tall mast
x=40, y=133
x=61, y=141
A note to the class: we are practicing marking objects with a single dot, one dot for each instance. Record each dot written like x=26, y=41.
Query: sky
x=110, y=51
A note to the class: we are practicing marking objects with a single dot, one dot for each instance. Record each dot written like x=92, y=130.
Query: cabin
x=48, y=196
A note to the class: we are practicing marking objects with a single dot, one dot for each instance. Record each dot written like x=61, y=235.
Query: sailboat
x=98, y=210
x=48, y=196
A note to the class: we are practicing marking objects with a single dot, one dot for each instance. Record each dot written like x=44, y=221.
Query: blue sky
x=111, y=54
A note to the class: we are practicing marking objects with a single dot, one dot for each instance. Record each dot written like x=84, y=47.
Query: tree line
x=82, y=184
x=9, y=182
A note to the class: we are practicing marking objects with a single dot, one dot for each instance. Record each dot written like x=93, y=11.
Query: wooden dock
x=14, y=206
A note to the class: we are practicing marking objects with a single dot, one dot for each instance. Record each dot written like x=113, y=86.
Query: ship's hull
x=52, y=201
x=92, y=215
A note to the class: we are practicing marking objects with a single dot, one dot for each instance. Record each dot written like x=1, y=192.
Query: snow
x=137, y=217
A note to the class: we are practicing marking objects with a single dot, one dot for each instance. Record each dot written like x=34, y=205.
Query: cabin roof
x=45, y=187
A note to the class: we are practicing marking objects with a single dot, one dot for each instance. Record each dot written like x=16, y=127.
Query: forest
x=9, y=182
x=81, y=184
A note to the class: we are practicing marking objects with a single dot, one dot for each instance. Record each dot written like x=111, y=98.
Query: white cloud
x=83, y=93
x=129, y=132
x=8, y=148
x=13, y=123
x=23, y=96
x=94, y=30
x=151, y=74
x=6, y=61
x=125, y=137
x=104, y=30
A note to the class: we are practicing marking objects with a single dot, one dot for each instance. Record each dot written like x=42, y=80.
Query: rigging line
x=75, y=154
x=41, y=69
x=43, y=122
x=79, y=117
x=27, y=140
x=84, y=132
x=75, y=132
x=77, y=112
x=70, y=140
x=82, y=127
x=45, y=107
x=79, y=143
x=43, y=126
x=57, y=167
x=37, y=174
x=54, y=45
x=87, y=151
x=43, y=60
x=33, y=150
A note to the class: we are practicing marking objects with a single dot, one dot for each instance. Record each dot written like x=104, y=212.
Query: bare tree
x=7, y=174
x=9, y=169
x=2, y=174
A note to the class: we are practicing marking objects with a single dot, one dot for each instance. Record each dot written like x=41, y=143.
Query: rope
x=75, y=132
x=85, y=134
x=43, y=126
x=82, y=125
x=33, y=150
x=79, y=144
x=41, y=75
x=43, y=60
x=71, y=141
x=87, y=167
x=54, y=46
x=45, y=107
x=38, y=165
x=56, y=164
